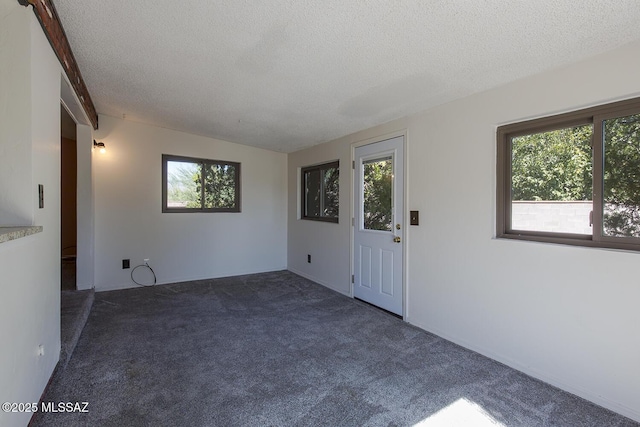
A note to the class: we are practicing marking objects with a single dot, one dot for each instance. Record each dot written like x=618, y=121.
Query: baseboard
x=129, y=285
x=542, y=376
x=318, y=281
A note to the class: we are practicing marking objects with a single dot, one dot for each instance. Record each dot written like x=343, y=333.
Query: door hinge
x=353, y=164
x=353, y=222
x=353, y=279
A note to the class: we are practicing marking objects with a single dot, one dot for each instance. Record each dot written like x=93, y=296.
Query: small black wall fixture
x=100, y=146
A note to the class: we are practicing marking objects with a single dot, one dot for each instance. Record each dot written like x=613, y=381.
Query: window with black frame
x=573, y=178
x=320, y=185
x=199, y=185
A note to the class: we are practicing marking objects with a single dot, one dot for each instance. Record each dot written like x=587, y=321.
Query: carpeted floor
x=277, y=349
x=68, y=274
x=75, y=307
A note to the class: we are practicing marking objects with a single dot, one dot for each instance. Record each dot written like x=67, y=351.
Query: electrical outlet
x=40, y=350
x=146, y=261
x=126, y=264
x=309, y=259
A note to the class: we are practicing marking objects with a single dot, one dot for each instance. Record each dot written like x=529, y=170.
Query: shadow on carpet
x=277, y=349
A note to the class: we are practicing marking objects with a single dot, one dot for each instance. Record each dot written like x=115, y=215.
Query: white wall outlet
x=41, y=350
x=146, y=260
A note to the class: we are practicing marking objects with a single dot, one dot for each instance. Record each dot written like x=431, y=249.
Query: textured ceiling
x=288, y=74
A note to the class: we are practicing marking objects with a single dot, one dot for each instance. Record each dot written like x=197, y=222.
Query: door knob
x=397, y=239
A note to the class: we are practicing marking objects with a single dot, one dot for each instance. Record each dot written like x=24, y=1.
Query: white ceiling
x=288, y=74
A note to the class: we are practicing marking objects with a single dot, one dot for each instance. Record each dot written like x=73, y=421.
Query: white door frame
x=404, y=234
x=85, y=259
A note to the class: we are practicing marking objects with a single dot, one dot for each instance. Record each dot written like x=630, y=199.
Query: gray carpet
x=277, y=349
x=68, y=274
x=75, y=307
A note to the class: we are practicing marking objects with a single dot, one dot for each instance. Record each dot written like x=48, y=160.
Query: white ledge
x=13, y=233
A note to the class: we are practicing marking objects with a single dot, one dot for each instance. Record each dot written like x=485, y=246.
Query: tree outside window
x=572, y=178
x=200, y=185
x=320, y=192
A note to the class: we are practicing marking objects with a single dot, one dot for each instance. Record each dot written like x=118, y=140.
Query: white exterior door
x=379, y=224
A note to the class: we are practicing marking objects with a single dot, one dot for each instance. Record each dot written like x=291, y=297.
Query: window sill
x=580, y=241
x=14, y=233
x=321, y=219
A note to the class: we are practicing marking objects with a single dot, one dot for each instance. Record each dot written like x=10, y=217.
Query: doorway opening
x=68, y=200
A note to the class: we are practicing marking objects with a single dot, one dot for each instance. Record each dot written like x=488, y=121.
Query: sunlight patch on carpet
x=462, y=412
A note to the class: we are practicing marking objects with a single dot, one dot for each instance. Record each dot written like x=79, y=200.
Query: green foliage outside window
x=558, y=166
x=181, y=186
x=553, y=165
x=622, y=176
x=188, y=190
x=320, y=186
x=378, y=187
x=331, y=179
x=219, y=187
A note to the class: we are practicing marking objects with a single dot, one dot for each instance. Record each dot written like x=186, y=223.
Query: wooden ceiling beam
x=50, y=23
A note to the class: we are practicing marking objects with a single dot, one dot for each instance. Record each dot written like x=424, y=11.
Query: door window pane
x=378, y=194
x=621, y=204
x=551, y=181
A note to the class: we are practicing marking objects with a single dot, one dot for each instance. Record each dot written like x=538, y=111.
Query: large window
x=572, y=178
x=320, y=192
x=199, y=185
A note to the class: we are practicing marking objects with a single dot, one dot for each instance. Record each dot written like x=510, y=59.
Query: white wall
x=326, y=242
x=129, y=222
x=567, y=315
x=15, y=90
x=29, y=267
x=85, y=202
